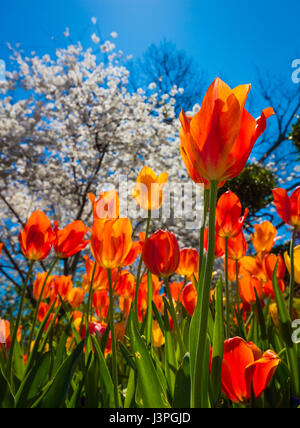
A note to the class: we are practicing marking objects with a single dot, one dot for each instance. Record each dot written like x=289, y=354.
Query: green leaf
x=286, y=334
x=152, y=392
x=105, y=377
x=33, y=383
x=217, y=346
x=182, y=390
x=56, y=393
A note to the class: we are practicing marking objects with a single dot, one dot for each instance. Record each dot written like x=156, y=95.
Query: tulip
x=70, y=240
x=188, y=262
x=161, y=253
x=111, y=241
x=62, y=286
x=228, y=215
x=219, y=244
x=287, y=260
x=247, y=284
x=125, y=287
x=264, y=236
x=219, y=138
x=101, y=303
x=288, y=208
x=38, y=285
x=237, y=247
x=269, y=263
x=75, y=297
x=107, y=206
x=158, y=337
x=36, y=239
x=148, y=189
x=241, y=371
x=100, y=279
x=1, y=246
x=189, y=298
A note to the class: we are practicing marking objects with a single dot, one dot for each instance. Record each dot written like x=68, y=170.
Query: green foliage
x=254, y=188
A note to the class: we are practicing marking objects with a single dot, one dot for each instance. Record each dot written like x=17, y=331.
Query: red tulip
x=228, y=215
x=241, y=371
x=70, y=240
x=161, y=253
x=288, y=208
x=37, y=237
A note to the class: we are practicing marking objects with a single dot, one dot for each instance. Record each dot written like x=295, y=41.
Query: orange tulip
x=100, y=281
x=36, y=239
x=62, y=285
x=237, y=246
x=219, y=244
x=124, y=288
x=228, y=215
x=288, y=208
x=111, y=241
x=135, y=250
x=218, y=140
x=189, y=298
x=161, y=253
x=189, y=160
x=269, y=263
x=70, y=240
x=188, y=262
x=101, y=303
x=241, y=371
x=107, y=206
x=264, y=236
x=148, y=189
x=176, y=289
x=38, y=284
x=42, y=312
x=143, y=295
x=247, y=284
x=75, y=297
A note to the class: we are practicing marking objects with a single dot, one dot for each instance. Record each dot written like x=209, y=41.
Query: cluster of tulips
x=131, y=336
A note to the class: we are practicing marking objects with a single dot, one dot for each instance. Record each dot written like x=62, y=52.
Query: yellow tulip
x=287, y=260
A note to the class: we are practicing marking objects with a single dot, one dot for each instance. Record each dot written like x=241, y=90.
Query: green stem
x=174, y=317
x=199, y=370
x=113, y=340
x=38, y=304
x=227, y=288
x=14, y=335
x=292, y=275
x=138, y=276
x=202, y=229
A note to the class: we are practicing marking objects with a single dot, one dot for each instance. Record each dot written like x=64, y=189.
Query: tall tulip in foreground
x=218, y=141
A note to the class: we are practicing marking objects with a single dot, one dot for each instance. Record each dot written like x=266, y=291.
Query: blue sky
x=226, y=38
